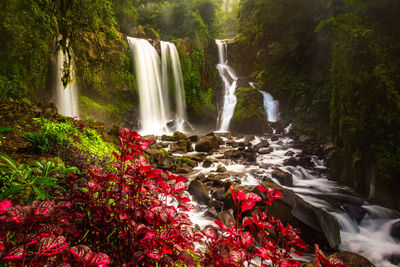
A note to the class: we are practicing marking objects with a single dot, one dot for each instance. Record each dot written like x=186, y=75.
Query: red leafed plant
x=253, y=236
x=35, y=235
x=322, y=261
x=127, y=215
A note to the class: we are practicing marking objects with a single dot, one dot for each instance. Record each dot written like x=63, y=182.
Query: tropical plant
x=29, y=181
x=39, y=140
x=4, y=129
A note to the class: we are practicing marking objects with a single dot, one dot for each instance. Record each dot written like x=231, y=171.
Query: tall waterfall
x=229, y=79
x=169, y=49
x=153, y=100
x=153, y=79
x=66, y=98
x=271, y=107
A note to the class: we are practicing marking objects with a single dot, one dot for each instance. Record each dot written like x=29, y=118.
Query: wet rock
x=231, y=143
x=316, y=225
x=219, y=194
x=206, y=144
x=250, y=156
x=211, y=212
x=154, y=154
x=349, y=258
x=178, y=136
x=355, y=212
x=194, y=138
x=218, y=205
x=274, y=138
x=244, y=144
x=181, y=146
x=201, y=177
x=262, y=144
x=166, y=163
x=305, y=162
x=166, y=138
x=221, y=168
x=233, y=154
x=265, y=150
x=395, y=230
x=249, y=138
x=291, y=162
x=226, y=217
x=207, y=163
x=199, y=192
x=36, y=109
x=183, y=168
x=289, y=153
x=283, y=177
x=50, y=112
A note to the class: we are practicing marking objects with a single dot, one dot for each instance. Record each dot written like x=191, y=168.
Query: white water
x=271, y=107
x=66, y=98
x=153, y=101
x=169, y=49
x=371, y=238
x=229, y=79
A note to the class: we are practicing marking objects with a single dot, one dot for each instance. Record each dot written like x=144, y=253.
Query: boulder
x=233, y=154
x=274, y=138
x=166, y=138
x=218, y=205
x=249, y=138
x=290, y=153
x=355, y=212
x=395, y=230
x=349, y=258
x=283, y=177
x=262, y=144
x=154, y=154
x=194, y=138
x=265, y=150
x=291, y=162
x=315, y=224
x=166, y=163
x=180, y=146
x=207, y=143
x=178, y=136
x=183, y=168
x=226, y=217
x=231, y=143
x=219, y=194
x=199, y=192
x=207, y=163
x=211, y=212
x=221, y=168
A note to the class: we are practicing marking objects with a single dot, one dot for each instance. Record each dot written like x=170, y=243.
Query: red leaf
x=233, y=193
x=263, y=253
x=247, y=239
x=43, y=208
x=248, y=205
x=51, y=245
x=262, y=188
x=4, y=205
x=82, y=253
x=241, y=195
x=211, y=232
x=220, y=224
x=14, y=253
x=179, y=187
x=154, y=255
x=253, y=197
x=100, y=259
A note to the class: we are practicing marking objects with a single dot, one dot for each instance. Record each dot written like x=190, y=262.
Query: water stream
x=370, y=237
x=66, y=97
x=229, y=79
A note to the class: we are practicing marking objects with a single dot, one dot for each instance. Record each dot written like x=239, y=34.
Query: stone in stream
x=283, y=177
x=207, y=163
x=231, y=143
x=211, y=212
x=355, y=212
x=166, y=163
x=290, y=153
x=395, y=231
x=207, y=143
x=226, y=217
x=183, y=168
x=178, y=136
x=274, y=138
x=291, y=162
x=233, y=154
x=219, y=194
x=262, y=144
x=221, y=168
x=349, y=258
x=194, y=138
x=265, y=150
x=199, y=192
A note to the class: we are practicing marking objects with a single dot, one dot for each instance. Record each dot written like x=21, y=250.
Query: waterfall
x=271, y=107
x=66, y=98
x=169, y=49
x=153, y=101
x=229, y=79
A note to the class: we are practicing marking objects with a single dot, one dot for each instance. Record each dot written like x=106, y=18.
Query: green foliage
x=39, y=140
x=28, y=182
x=4, y=129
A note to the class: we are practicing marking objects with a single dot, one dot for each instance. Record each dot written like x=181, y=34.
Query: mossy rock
x=249, y=116
x=178, y=136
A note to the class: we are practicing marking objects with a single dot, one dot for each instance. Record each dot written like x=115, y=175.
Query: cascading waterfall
x=153, y=99
x=271, y=107
x=229, y=79
x=66, y=98
x=169, y=49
